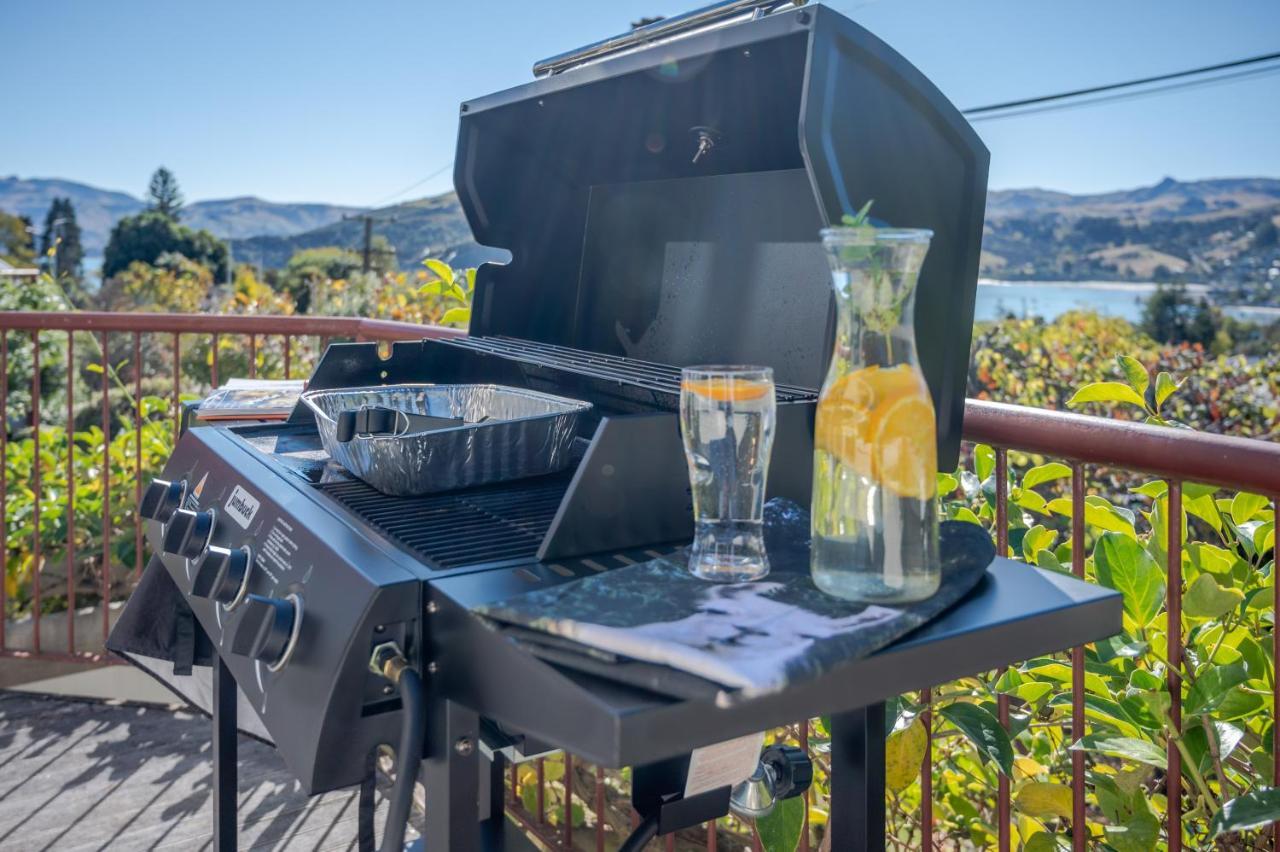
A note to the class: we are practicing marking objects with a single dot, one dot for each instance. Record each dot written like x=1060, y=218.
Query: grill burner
x=480, y=526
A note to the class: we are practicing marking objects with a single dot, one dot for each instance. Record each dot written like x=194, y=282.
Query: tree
x=62, y=236
x=1172, y=316
x=16, y=245
x=1264, y=235
x=166, y=198
x=309, y=267
x=150, y=234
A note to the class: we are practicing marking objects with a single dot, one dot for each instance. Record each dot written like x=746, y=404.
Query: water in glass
x=727, y=419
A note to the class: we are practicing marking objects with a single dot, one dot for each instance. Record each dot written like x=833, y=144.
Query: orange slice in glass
x=726, y=389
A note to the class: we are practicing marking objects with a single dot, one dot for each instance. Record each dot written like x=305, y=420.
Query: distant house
x=10, y=272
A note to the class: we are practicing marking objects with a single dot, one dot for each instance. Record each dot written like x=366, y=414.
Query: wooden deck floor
x=83, y=775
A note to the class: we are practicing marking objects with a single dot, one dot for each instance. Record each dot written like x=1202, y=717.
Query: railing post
x=1275, y=655
x=177, y=389
x=106, y=489
x=926, y=773
x=71, y=494
x=36, y=487
x=568, y=801
x=4, y=471
x=137, y=455
x=1173, y=596
x=1003, y=804
x=1079, y=827
x=600, y=809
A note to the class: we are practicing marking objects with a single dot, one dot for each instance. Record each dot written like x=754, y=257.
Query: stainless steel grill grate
x=659, y=378
x=458, y=529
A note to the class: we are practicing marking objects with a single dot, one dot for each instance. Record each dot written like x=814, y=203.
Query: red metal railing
x=98, y=327
x=1176, y=455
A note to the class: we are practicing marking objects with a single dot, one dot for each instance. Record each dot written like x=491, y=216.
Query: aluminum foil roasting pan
x=505, y=433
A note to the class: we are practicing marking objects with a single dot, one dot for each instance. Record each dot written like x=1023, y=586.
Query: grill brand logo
x=242, y=506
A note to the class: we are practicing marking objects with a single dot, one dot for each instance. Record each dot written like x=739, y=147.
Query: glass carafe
x=875, y=519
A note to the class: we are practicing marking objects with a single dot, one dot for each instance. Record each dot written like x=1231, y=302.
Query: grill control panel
x=292, y=598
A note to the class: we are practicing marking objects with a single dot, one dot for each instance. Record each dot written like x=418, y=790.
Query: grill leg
x=225, y=782
x=857, y=780
x=452, y=775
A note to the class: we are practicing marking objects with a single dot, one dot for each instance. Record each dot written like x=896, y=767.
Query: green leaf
x=1155, y=489
x=456, y=315
x=1044, y=800
x=984, y=461
x=1036, y=539
x=1107, y=392
x=1137, y=834
x=1245, y=505
x=984, y=731
x=1212, y=685
x=1165, y=386
x=93, y=367
x=442, y=270
x=1098, y=513
x=903, y=755
x=780, y=829
x=1134, y=373
x=1124, y=565
x=1206, y=599
x=1043, y=841
x=1129, y=748
x=964, y=513
x=1252, y=810
x=1043, y=473
x=470, y=276
x=946, y=484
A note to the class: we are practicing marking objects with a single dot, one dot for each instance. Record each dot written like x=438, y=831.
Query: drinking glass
x=727, y=418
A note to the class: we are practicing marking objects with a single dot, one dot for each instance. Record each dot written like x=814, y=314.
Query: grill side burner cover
x=664, y=204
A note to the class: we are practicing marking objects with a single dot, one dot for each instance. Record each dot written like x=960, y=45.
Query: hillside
x=1212, y=231
x=1220, y=232
x=98, y=209
x=432, y=227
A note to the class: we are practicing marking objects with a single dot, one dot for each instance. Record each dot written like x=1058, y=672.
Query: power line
x=1251, y=73
x=411, y=187
x=1093, y=90
x=1049, y=103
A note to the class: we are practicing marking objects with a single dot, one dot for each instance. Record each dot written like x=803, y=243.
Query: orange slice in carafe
x=879, y=422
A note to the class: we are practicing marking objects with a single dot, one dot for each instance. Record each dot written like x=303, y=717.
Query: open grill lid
x=664, y=203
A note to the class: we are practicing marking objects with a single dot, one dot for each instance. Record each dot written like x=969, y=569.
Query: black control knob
x=792, y=770
x=162, y=499
x=220, y=574
x=187, y=533
x=266, y=629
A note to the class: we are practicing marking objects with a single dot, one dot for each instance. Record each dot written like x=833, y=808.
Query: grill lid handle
x=662, y=29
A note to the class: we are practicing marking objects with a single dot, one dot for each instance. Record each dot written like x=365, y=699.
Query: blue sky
x=353, y=102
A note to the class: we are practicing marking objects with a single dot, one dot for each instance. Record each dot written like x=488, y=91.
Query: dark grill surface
x=661, y=378
x=483, y=525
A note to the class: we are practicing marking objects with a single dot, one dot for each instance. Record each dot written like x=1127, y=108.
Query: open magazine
x=252, y=399
x=655, y=625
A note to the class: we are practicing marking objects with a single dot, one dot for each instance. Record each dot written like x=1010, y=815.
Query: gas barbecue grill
x=660, y=195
